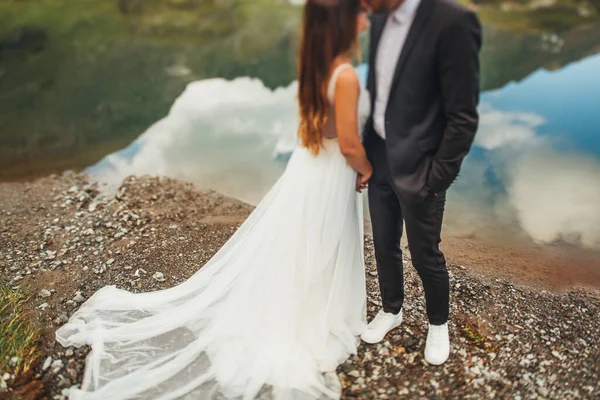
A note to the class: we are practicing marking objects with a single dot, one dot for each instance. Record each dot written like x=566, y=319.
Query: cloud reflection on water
x=515, y=175
x=218, y=134
x=228, y=135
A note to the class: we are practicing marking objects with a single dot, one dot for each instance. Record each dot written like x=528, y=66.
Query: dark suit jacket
x=431, y=116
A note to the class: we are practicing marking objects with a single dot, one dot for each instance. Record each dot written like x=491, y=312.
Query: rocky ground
x=61, y=240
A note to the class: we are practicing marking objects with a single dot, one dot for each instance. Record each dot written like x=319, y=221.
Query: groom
x=424, y=85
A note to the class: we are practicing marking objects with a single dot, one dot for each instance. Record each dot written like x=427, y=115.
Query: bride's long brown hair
x=329, y=30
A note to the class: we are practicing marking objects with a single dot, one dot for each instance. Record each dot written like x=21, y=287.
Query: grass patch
x=473, y=334
x=19, y=336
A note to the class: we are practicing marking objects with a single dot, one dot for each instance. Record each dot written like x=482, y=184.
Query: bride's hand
x=362, y=180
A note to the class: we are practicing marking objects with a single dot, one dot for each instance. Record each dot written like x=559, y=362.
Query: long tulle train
x=280, y=304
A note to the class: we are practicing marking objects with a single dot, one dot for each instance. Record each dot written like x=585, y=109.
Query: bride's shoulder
x=347, y=79
x=344, y=82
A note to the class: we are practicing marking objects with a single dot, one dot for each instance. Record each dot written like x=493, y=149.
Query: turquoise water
x=212, y=102
x=535, y=163
x=536, y=158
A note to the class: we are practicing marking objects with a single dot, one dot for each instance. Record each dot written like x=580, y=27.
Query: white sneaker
x=437, y=348
x=380, y=326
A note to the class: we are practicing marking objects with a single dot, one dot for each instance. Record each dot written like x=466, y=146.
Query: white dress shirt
x=388, y=52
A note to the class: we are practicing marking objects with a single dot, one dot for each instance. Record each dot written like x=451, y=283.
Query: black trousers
x=423, y=228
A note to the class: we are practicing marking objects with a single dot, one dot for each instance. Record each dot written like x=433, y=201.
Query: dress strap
x=333, y=79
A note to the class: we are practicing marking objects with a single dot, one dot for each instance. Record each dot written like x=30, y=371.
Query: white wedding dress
x=279, y=306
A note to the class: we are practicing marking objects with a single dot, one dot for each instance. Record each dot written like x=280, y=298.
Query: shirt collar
x=405, y=12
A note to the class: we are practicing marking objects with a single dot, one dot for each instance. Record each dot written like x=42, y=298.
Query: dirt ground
x=524, y=317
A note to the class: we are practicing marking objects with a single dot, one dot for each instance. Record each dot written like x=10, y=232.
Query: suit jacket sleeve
x=458, y=74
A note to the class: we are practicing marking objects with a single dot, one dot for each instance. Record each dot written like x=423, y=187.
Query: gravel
x=62, y=238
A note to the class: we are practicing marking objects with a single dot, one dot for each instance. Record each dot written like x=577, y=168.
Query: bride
x=281, y=305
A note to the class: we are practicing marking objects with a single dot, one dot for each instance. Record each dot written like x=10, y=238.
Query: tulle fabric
x=280, y=304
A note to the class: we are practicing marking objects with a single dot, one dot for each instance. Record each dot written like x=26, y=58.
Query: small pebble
x=159, y=276
x=47, y=363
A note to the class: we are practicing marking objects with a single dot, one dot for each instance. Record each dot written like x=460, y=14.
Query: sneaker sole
x=396, y=325
x=437, y=362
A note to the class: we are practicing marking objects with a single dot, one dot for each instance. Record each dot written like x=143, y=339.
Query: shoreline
x=60, y=241
x=508, y=253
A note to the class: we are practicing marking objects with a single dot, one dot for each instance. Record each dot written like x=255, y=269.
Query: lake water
x=221, y=113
